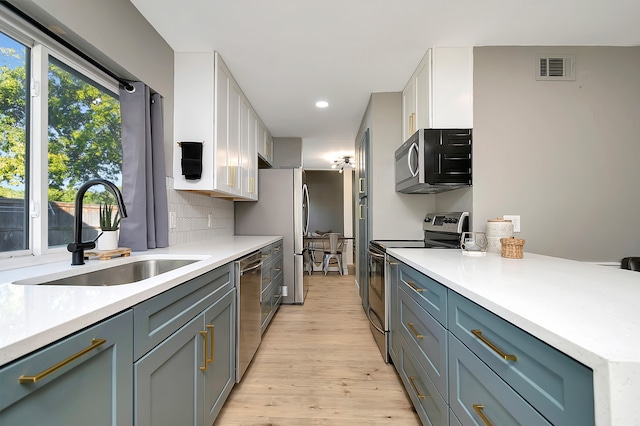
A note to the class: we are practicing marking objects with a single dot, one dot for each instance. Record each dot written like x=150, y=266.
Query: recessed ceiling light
x=322, y=104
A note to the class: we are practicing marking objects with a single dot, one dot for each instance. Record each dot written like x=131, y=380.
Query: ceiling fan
x=342, y=163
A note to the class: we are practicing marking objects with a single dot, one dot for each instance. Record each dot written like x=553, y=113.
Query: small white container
x=496, y=229
x=108, y=240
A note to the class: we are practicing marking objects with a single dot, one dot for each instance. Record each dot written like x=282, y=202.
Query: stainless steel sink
x=116, y=275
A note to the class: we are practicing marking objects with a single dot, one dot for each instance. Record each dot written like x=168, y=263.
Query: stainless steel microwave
x=434, y=160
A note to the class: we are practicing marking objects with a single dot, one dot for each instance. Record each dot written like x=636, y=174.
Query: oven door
x=377, y=300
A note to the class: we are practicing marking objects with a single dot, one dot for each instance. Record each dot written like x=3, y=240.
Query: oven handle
x=375, y=254
x=369, y=310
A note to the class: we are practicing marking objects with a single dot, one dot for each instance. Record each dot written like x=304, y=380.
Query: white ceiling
x=287, y=54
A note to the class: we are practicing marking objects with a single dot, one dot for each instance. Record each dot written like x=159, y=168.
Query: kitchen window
x=59, y=127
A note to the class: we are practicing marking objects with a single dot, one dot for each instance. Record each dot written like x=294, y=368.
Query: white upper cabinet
x=439, y=94
x=265, y=143
x=211, y=108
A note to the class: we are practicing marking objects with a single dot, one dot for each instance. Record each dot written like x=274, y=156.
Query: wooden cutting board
x=108, y=254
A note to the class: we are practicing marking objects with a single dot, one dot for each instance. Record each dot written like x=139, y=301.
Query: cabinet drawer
x=266, y=279
x=476, y=391
x=270, y=252
x=427, y=338
x=157, y=318
x=95, y=387
x=426, y=399
x=276, y=274
x=429, y=294
x=266, y=308
x=555, y=384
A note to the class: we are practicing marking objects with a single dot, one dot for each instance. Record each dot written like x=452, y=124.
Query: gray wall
x=326, y=189
x=563, y=155
x=287, y=152
x=116, y=35
x=391, y=215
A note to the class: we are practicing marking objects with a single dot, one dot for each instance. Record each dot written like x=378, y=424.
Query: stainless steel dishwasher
x=248, y=278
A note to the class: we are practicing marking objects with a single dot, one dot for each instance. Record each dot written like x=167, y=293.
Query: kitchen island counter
x=32, y=316
x=590, y=312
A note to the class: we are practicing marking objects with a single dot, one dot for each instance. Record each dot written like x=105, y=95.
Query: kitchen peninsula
x=586, y=311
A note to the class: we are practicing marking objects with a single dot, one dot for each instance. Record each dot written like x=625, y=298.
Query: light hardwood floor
x=319, y=365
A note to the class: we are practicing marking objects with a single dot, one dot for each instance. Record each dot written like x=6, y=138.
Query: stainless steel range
x=441, y=231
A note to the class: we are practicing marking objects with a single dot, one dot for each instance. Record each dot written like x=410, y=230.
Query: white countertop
x=32, y=316
x=590, y=312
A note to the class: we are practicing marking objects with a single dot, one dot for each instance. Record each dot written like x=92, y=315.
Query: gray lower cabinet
x=453, y=420
x=558, y=386
x=94, y=388
x=185, y=379
x=272, y=281
x=429, y=404
x=449, y=350
x=391, y=271
x=478, y=396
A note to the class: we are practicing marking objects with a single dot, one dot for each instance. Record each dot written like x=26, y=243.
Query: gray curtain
x=143, y=172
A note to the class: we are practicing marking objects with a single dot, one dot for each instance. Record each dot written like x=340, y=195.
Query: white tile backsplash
x=192, y=216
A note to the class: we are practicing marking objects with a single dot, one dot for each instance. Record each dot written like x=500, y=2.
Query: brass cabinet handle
x=277, y=248
x=415, y=287
x=34, y=379
x=478, y=408
x=412, y=123
x=206, y=357
x=252, y=185
x=415, y=388
x=361, y=185
x=360, y=216
x=391, y=263
x=478, y=334
x=212, y=338
x=232, y=176
x=414, y=331
x=277, y=269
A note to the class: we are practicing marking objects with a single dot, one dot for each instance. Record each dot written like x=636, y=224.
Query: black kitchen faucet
x=77, y=247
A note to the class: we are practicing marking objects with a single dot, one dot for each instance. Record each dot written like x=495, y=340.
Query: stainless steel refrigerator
x=282, y=209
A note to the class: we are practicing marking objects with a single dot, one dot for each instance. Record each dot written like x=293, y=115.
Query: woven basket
x=512, y=248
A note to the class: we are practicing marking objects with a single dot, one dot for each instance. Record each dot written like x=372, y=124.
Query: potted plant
x=109, y=224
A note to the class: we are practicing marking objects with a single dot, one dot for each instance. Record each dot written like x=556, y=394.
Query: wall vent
x=556, y=68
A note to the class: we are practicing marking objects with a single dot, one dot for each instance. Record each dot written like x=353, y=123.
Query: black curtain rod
x=127, y=85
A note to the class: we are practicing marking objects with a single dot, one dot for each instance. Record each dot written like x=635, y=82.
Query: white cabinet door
x=439, y=94
x=452, y=88
x=422, y=79
x=409, y=109
x=234, y=176
x=250, y=187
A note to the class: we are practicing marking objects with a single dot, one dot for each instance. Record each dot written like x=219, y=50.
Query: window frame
x=41, y=48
